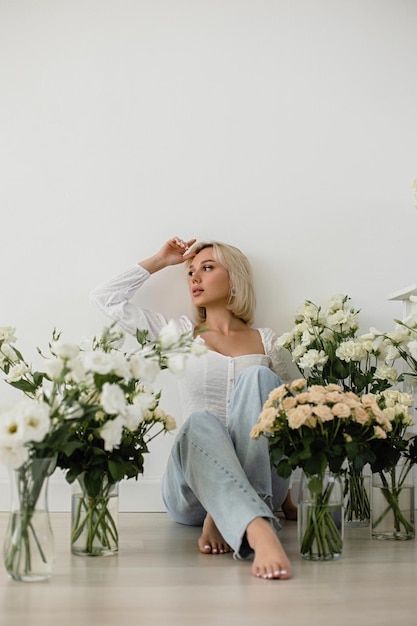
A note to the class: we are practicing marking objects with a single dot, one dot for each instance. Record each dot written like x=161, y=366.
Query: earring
x=232, y=292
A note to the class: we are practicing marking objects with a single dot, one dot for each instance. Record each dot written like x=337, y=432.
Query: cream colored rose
x=298, y=384
x=266, y=420
x=323, y=412
x=361, y=416
x=297, y=417
x=340, y=409
x=277, y=394
x=379, y=433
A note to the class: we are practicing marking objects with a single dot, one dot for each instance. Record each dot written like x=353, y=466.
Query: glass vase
x=28, y=548
x=357, y=498
x=94, y=519
x=320, y=517
x=393, y=503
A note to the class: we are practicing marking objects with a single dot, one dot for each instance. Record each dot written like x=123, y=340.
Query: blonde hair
x=242, y=300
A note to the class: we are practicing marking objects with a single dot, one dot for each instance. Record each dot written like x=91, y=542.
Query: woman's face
x=208, y=281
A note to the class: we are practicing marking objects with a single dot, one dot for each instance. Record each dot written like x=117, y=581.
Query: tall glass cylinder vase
x=393, y=503
x=28, y=548
x=94, y=519
x=320, y=517
x=357, y=497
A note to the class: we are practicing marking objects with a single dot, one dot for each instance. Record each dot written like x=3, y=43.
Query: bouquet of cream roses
x=317, y=428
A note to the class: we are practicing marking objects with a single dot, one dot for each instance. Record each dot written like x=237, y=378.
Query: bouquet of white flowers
x=325, y=345
x=92, y=408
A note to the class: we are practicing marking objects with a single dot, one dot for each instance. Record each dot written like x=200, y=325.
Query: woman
x=217, y=476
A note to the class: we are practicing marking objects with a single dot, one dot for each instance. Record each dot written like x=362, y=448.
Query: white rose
x=111, y=433
x=53, y=368
x=300, y=328
x=308, y=311
x=77, y=370
x=383, y=372
x=389, y=413
x=7, y=334
x=113, y=399
x=327, y=334
x=367, y=344
x=8, y=352
x=298, y=352
x=169, y=335
x=16, y=372
x=408, y=419
x=412, y=348
x=342, y=319
x=398, y=336
x=351, y=351
x=98, y=361
x=284, y=340
x=144, y=369
x=132, y=418
x=36, y=419
x=176, y=363
x=14, y=456
x=406, y=398
x=313, y=358
x=12, y=427
x=64, y=349
x=121, y=365
x=392, y=353
x=336, y=303
x=198, y=347
x=135, y=411
x=306, y=338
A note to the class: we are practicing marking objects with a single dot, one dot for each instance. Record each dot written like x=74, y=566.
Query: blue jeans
x=221, y=470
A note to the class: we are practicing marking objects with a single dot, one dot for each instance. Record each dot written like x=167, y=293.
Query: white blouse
x=209, y=379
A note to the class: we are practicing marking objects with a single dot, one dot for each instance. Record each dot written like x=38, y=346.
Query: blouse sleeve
x=114, y=298
x=281, y=361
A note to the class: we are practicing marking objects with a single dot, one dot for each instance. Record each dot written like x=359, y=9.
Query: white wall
x=288, y=128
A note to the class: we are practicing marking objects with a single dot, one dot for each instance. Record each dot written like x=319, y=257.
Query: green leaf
x=284, y=469
x=117, y=470
x=24, y=385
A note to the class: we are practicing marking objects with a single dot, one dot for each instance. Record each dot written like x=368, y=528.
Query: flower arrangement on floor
x=397, y=455
x=27, y=437
x=317, y=428
x=394, y=456
x=92, y=407
x=325, y=345
x=402, y=342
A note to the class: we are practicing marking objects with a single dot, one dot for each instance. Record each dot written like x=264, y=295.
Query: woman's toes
x=206, y=549
x=272, y=573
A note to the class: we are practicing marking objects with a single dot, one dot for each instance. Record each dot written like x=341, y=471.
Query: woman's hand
x=176, y=251
x=173, y=252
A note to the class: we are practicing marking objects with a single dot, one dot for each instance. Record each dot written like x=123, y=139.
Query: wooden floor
x=159, y=577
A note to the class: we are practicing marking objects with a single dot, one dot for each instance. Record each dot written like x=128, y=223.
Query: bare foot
x=211, y=541
x=288, y=507
x=270, y=559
